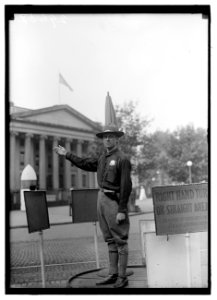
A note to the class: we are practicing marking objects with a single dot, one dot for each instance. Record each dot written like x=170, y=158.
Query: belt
x=106, y=191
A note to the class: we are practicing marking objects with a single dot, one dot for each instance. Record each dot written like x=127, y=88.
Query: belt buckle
x=106, y=191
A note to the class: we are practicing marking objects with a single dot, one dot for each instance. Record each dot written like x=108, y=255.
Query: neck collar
x=113, y=150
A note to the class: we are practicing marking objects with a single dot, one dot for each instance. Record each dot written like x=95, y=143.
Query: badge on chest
x=112, y=163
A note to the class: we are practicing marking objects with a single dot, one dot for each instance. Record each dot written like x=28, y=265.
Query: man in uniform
x=113, y=175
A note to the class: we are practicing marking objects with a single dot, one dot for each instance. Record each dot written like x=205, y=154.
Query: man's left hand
x=120, y=217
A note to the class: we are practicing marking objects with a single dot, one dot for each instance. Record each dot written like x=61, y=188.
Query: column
x=55, y=165
x=79, y=153
x=90, y=174
x=42, y=163
x=91, y=179
x=95, y=181
x=17, y=163
x=67, y=166
x=28, y=149
x=13, y=135
x=32, y=160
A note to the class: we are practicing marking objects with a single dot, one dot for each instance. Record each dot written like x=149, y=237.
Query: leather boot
x=122, y=279
x=108, y=280
x=113, y=262
x=123, y=260
x=113, y=269
x=121, y=282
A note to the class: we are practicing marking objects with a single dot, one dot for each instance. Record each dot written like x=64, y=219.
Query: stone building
x=34, y=133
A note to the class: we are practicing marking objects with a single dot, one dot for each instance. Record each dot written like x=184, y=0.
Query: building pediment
x=61, y=115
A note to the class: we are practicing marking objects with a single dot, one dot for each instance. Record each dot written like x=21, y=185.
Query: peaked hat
x=111, y=124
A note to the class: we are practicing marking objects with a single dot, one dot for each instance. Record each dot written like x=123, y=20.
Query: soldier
x=113, y=175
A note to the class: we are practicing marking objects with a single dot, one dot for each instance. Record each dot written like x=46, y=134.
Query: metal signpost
x=42, y=259
x=96, y=245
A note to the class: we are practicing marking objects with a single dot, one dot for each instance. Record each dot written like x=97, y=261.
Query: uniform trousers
x=115, y=235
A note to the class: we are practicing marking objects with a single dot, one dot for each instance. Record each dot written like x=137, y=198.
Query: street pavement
x=68, y=248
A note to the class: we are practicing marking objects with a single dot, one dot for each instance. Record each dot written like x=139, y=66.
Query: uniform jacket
x=113, y=172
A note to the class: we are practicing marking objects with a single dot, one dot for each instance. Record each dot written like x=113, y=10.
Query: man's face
x=109, y=141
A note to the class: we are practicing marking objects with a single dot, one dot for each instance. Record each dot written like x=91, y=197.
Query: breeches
x=116, y=235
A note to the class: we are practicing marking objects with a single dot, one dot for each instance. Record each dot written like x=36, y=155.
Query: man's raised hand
x=60, y=150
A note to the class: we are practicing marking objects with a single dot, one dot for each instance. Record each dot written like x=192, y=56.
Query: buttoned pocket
x=111, y=174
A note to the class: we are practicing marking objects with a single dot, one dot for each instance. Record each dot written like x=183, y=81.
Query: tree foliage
x=161, y=152
x=133, y=126
x=188, y=144
x=169, y=152
x=153, y=156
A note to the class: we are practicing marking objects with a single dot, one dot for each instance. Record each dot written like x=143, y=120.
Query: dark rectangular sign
x=180, y=209
x=84, y=205
x=36, y=210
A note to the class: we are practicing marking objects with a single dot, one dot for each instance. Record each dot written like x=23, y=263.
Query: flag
x=63, y=81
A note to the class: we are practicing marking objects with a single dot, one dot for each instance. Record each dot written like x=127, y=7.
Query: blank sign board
x=36, y=210
x=84, y=205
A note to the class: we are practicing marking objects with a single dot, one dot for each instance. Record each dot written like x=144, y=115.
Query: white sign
x=181, y=209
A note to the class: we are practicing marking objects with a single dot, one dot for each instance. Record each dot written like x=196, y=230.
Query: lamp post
x=153, y=181
x=189, y=164
x=159, y=178
x=187, y=236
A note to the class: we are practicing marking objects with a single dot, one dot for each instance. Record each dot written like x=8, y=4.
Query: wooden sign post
x=37, y=219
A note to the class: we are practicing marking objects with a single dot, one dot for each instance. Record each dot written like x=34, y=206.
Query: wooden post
x=42, y=259
x=188, y=260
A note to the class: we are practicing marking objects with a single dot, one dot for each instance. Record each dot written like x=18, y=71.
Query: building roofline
x=95, y=128
x=29, y=113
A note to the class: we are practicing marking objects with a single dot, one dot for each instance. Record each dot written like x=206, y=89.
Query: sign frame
x=36, y=210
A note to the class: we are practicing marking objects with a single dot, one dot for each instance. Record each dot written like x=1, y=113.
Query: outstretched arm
x=86, y=164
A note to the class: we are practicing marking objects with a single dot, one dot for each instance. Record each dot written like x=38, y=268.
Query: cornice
x=59, y=126
x=23, y=115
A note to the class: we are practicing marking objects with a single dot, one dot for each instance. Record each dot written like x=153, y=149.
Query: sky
x=159, y=61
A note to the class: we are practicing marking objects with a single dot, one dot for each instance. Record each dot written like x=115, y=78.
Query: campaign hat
x=111, y=124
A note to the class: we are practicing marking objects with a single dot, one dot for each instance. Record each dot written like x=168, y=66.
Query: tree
x=160, y=152
x=134, y=127
x=167, y=153
x=153, y=158
x=188, y=143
